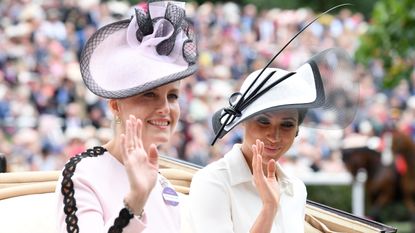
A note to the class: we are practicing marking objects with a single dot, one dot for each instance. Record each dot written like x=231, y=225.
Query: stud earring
x=117, y=120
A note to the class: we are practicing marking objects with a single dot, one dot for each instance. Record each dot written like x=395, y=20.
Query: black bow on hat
x=324, y=75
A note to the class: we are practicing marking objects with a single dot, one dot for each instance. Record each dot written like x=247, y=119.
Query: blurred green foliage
x=390, y=39
x=396, y=211
x=336, y=196
x=340, y=197
x=364, y=7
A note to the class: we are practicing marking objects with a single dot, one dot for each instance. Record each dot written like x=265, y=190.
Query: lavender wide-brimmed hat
x=128, y=57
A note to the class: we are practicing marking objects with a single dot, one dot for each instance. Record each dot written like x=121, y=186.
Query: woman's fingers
x=256, y=162
x=136, y=130
x=153, y=155
x=253, y=148
x=261, y=147
x=271, y=169
x=133, y=130
x=259, y=165
x=258, y=149
x=266, y=185
x=139, y=127
x=129, y=132
x=124, y=148
x=131, y=141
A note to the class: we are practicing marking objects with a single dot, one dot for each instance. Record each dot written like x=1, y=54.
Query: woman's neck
x=114, y=150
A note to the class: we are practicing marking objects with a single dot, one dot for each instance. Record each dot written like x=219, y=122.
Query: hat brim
x=107, y=57
x=325, y=86
x=274, y=100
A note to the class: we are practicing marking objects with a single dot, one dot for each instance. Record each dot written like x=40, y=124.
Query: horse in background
x=403, y=148
x=386, y=183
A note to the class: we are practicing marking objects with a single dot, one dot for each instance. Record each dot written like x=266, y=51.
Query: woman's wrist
x=137, y=211
x=270, y=209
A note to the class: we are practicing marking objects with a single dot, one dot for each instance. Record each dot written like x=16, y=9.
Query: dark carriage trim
x=382, y=227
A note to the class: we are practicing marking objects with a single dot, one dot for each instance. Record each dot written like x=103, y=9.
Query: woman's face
x=276, y=129
x=157, y=108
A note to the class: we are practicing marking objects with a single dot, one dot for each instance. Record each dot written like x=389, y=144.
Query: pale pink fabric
x=100, y=186
x=137, y=63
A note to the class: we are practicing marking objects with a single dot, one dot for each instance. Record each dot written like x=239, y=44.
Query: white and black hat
x=323, y=86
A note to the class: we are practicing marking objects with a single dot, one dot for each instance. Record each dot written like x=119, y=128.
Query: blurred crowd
x=47, y=115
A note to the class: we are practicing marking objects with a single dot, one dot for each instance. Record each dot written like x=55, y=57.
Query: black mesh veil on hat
x=155, y=47
x=324, y=89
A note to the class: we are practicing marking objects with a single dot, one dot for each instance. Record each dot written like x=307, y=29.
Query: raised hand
x=141, y=165
x=267, y=186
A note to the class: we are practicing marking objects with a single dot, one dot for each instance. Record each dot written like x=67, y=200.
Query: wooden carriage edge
x=319, y=217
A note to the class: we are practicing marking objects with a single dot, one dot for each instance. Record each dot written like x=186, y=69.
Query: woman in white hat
x=136, y=64
x=248, y=190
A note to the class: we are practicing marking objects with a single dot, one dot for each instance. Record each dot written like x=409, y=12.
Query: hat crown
x=155, y=47
x=324, y=86
x=162, y=27
x=272, y=88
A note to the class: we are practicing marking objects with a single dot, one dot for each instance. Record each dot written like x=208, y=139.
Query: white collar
x=237, y=165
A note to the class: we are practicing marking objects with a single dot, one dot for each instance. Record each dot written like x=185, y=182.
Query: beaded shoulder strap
x=68, y=192
x=67, y=187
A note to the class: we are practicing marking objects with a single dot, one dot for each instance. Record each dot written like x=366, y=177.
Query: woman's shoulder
x=90, y=162
x=214, y=167
x=223, y=169
x=288, y=175
x=297, y=182
x=216, y=170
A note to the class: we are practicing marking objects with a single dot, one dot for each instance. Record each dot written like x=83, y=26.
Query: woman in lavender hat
x=136, y=64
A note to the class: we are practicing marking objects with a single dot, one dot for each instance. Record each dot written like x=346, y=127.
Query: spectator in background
x=28, y=55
